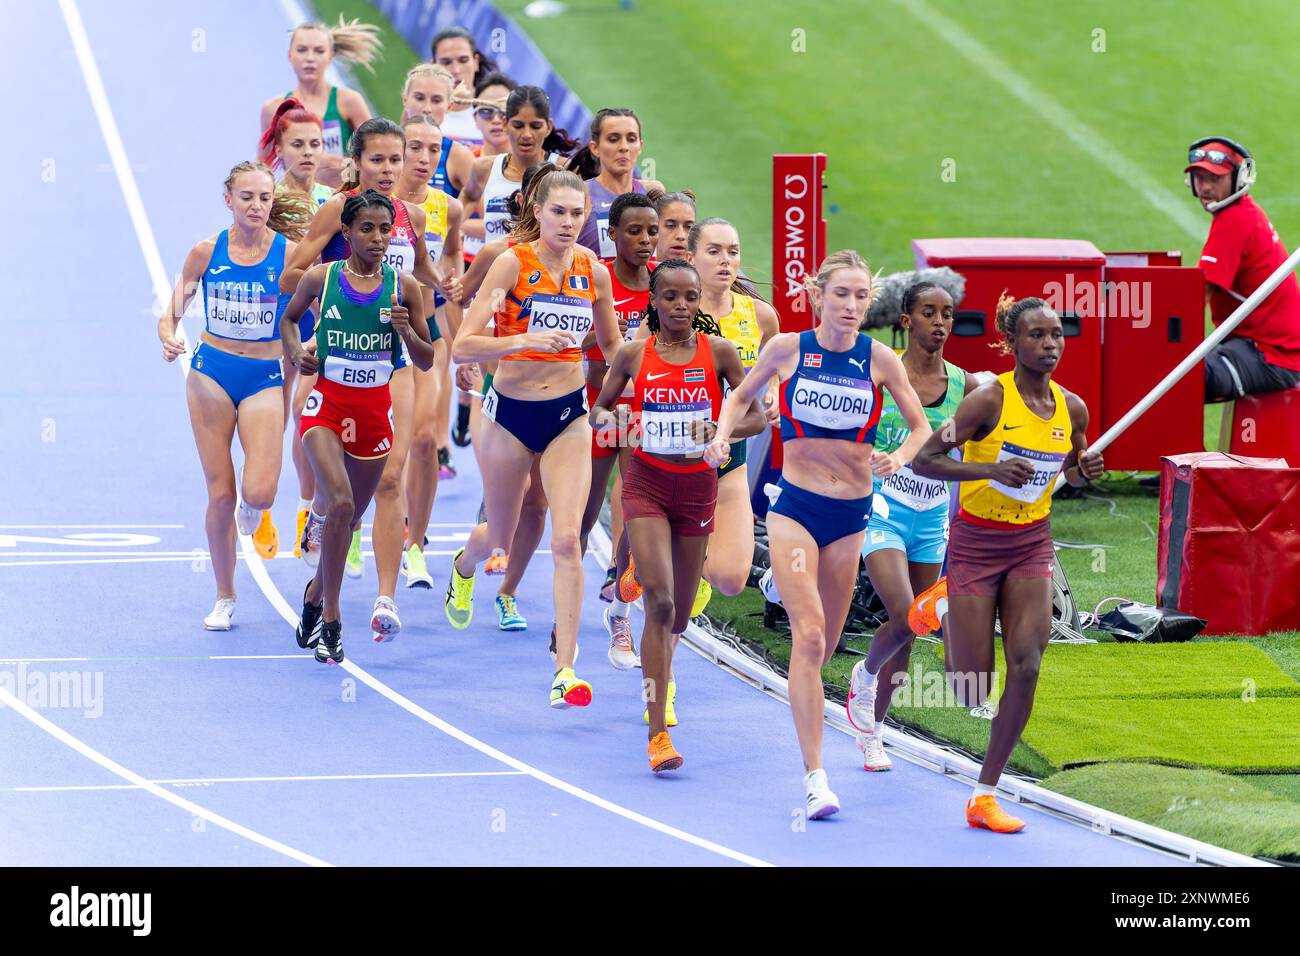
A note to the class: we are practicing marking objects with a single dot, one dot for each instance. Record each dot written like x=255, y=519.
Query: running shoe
x=703, y=595
x=569, y=691
x=670, y=708
x=861, y=706
x=508, y=616
x=355, y=562
x=417, y=572
x=822, y=801
x=302, y=526
x=983, y=812
x=329, y=650
x=497, y=565
x=607, y=589
x=663, y=755
x=308, y=630
x=622, y=653
x=266, y=540
x=384, y=620
x=446, y=469
x=313, y=533
x=222, y=612
x=629, y=588
x=923, y=615
x=873, y=753
x=554, y=657
x=246, y=518
x=460, y=433
x=460, y=597
x=767, y=585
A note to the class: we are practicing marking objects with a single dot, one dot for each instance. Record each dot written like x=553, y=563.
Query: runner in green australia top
x=908, y=534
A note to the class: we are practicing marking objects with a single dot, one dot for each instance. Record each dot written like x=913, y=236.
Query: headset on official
x=1243, y=173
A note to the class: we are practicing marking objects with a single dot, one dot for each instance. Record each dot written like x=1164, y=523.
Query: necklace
x=363, y=275
x=662, y=343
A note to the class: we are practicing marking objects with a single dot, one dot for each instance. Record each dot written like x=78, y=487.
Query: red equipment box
x=1066, y=272
x=798, y=234
x=1268, y=425
x=1227, y=550
x=1155, y=317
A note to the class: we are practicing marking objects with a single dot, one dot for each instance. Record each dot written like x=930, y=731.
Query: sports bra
x=831, y=394
x=538, y=304
x=243, y=303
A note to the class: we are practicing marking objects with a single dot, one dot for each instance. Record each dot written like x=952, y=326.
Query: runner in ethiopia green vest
x=908, y=534
x=346, y=426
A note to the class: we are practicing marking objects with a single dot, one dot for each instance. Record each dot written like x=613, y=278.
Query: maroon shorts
x=684, y=496
x=980, y=557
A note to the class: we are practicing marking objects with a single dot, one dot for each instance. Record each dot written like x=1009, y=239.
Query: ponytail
x=353, y=41
x=286, y=114
x=1007, y=317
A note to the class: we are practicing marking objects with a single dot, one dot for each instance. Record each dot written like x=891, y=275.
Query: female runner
x=346, y=428
x=669, y=492
x=608, y=164
x=455, y=51
x=378, y=150
x=552, y=292
x=676, y=218
x=1000, y=553
x=238, y=385
x=312, y=47
x=831, y=378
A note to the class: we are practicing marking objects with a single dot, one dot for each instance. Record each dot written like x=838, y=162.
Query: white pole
x=1183, y=367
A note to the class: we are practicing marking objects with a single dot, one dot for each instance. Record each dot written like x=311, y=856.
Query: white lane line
x=153, y=261
x=303, y=656
x=80, y=526
x=112, y=766
x=1085, y=137
x=310, y=778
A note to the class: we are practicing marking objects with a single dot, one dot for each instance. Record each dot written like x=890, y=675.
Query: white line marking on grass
x=1088, y=139
x=112, y=766
x=306, y=778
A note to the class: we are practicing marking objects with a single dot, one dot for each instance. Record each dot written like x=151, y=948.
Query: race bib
x=242, y=310
x=490, y=404
x=909, y=488
x=1047, y=465
x=366, y=363
x=314, y=402
x=607, y=248
x=434, y=243
x=561, y=313
x=496, y=219
x=332, y=138
x=832, y=401
x=666, y=427
x=401, y=253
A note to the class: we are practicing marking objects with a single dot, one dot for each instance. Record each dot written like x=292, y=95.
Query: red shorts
x=361, y=417
x=602, y=446
x=980, y=558
x=684, y=495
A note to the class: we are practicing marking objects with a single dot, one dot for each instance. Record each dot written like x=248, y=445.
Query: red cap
x=1219, y=169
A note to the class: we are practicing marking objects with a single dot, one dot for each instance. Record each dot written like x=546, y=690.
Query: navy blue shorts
x=238, y=377
x=535, y=424
x=826, y=519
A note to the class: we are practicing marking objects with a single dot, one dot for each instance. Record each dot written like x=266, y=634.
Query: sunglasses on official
x=1216, y=156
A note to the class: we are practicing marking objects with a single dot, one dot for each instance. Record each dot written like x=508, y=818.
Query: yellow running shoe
x=266, y=540
x=922, y=617
x=663, y=755
x=670, y=708
x=460, y=597
x=984, y=813
x=302, y=526
x=568, y=690
x=703, y=595
x=355, y=563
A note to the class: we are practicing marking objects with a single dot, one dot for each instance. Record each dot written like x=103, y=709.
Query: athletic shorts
x=361, y=417
x=238, y=377
x=601, y=449
x=535, y=423
x=980, y=557
x=683, y=495
x=921, y=535
x=826, y=519
x=1236, y=367
x=739, y=449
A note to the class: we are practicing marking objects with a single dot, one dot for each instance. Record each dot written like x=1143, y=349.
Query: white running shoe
x=873, y=753
x=384, y=620
x=861, y=706
x=822, y=802
x=222, y=612
x=767, y=584
x=313, y=533
x=622, y=653
x=246, y=519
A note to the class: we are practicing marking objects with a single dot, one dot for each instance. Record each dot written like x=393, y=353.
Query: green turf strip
x=1222, y=810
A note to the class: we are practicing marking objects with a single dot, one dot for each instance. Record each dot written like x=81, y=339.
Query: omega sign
x=798, y=233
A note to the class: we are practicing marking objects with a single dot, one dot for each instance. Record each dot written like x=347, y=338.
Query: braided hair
x=366, y=200
x=701, y=323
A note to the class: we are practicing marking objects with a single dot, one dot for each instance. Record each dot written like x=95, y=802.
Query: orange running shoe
x=663, y=756
x=497, y=564
x=629, y=588
x=921, y=616
x=984, y=813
